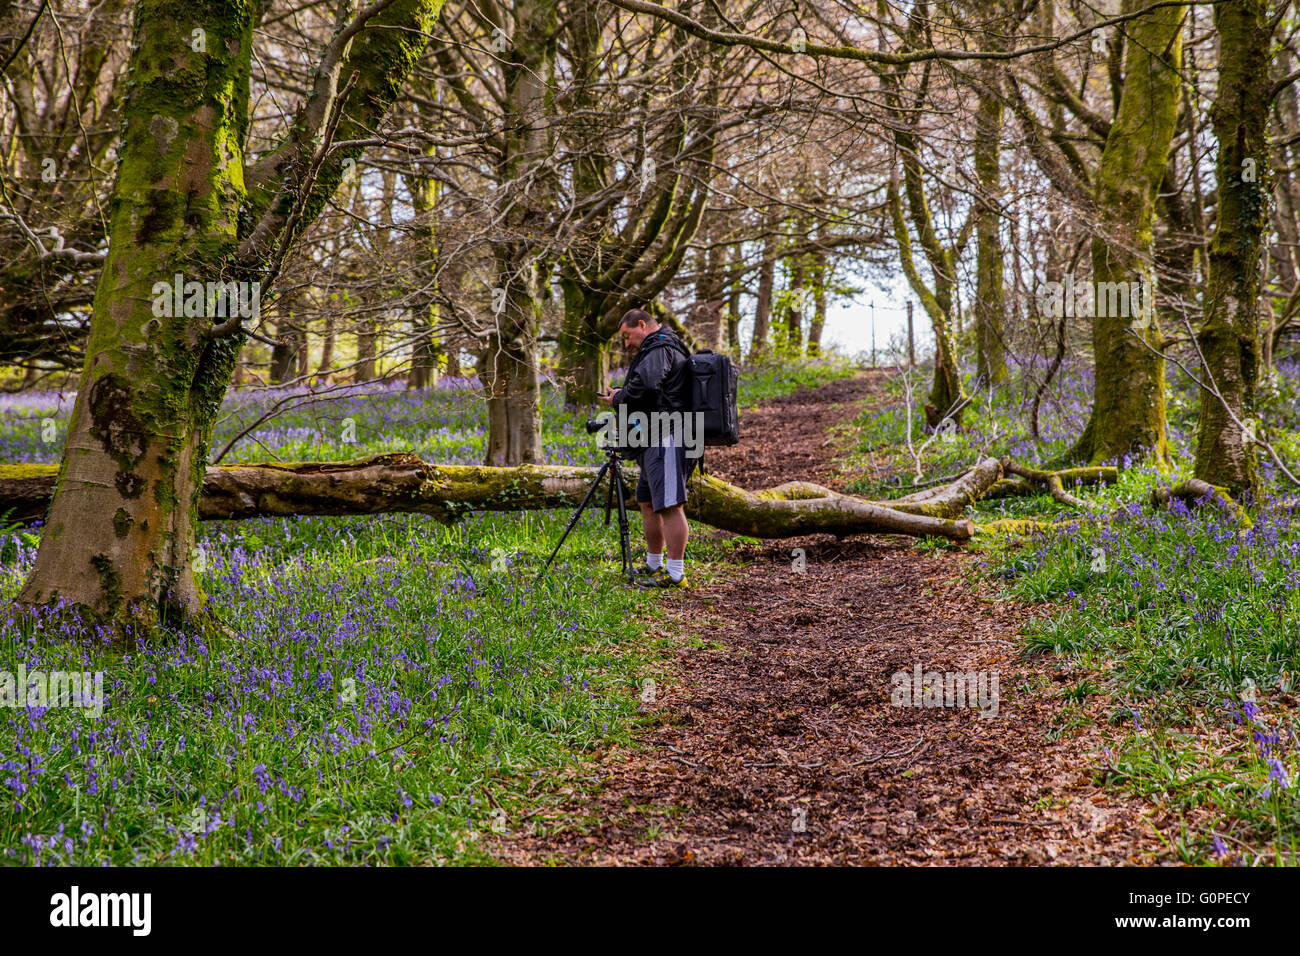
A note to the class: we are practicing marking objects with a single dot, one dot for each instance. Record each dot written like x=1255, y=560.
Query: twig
x=891, y=753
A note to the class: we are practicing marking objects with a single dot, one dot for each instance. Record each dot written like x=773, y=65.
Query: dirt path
x=776, y=742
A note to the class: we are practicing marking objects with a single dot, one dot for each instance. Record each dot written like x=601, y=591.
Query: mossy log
x=947, y=501
x=405, y=483
x=1193, y=491
x=1019, y=528
x=1054, y=482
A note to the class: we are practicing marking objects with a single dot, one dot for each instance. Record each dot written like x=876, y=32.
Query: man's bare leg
x=653, y=526
x=674, y=531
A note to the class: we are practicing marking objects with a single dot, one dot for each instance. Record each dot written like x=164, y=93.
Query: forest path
x=773, y=739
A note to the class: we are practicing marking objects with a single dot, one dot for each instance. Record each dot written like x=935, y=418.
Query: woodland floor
x=779, y=699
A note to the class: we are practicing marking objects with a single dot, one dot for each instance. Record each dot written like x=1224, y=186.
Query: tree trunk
x=286, y=356
x=511, y=382
x=794, y=307
x=121, y=526
x=423, y=351
x=1128, y=410
x=403, y=483
x=733, y=305
x=820, y=275
x=710, y=297
x=946, y=389
x=366, y=336
x=453, y=361
x=1229, y=337
x=763, y=310
x=283, y=355
x=327, y=345
x=990, y=302
x=584, y=348
x=514, y=398
x=425, y=347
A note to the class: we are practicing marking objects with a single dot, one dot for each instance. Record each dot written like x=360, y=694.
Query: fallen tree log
x=405, y=483
x=950, y=500
x=1195, y=490
x=1053, y=482
x=1192, y=492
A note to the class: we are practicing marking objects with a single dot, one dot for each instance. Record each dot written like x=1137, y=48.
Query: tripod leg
x=609, y=498
x=574, y=520
x=616, y=478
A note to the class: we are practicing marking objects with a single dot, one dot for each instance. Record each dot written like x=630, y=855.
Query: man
x=654, y=383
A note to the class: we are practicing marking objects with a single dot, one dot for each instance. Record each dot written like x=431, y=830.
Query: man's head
x=636, y=325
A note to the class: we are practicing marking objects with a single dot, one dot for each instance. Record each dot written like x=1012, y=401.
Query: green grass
x=762, y=382
x=1190, y=631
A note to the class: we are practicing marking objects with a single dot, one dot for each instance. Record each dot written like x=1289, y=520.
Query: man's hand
x=606, y=397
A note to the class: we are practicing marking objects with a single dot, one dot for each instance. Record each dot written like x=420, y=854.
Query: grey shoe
x=660, y=578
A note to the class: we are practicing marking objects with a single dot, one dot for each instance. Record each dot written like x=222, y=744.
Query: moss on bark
x=1128, y=410
x=1229, y=337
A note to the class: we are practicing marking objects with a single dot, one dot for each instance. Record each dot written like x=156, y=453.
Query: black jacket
x=654, y=382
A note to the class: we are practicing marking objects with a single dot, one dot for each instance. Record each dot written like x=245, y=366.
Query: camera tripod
x=613, y=467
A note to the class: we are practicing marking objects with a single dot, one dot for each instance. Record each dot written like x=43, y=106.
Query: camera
x=608, y=441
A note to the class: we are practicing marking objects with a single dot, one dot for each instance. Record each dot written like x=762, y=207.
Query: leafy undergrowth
x=393, y=688
x=1184, y=626
x=1191, y=629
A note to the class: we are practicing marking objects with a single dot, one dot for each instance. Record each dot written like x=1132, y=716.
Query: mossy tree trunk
x=585, y=336
x=946, y=392
x=792, y=333
x=121, y=525
x=426, y=348
x=819, y=273
x=401, y=482
x=792, y=300
x=120, y=528
x=1229, y=336
x=511, y=381
x=1128, y=408
x=990, y=300
x=946, y=389
x=585, y=342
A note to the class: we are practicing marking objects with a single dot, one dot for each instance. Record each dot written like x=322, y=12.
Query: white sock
x=676, y=568
x=654, y=561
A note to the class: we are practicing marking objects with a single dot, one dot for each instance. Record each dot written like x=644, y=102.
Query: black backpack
x=709, y=381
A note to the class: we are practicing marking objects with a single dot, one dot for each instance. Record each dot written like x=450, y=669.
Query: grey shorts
x=663, y=476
